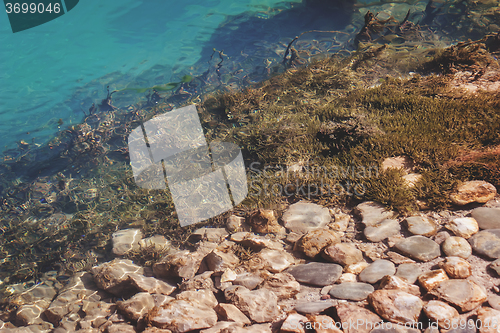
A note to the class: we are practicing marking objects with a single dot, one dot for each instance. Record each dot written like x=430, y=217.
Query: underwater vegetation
x=346, y=113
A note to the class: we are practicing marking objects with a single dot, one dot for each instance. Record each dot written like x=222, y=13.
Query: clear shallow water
x=55, y=70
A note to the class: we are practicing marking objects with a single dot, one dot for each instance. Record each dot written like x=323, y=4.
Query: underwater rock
x=96, y=313
x=314, y=241
x=372, y=213
x=183, y=316
x=126, y=240
x=156, y=242
x=377, y=270
x=28, y=314
x=419, y=247
x=183, y=264
x=136, y=306
x=259, y=305
x=464, y=294
x=113, y=276
x=473, y=191
x=209, y=234
x=396, y=306
x=303, y=217
x=457, y=247
x=487, y=218
x=342, y=253
x=69, y=299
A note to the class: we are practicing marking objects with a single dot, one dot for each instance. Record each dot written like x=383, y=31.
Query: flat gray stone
x=421, y=225
x=465, y=294
x=372, y=213
x=409, y=272
x=353, y=291
x=377, y=270
x=312, y=307
x=457, y=247
x=487, y=218
x=316, y=273
x=303, y=217
x=419, y=248
x=487, y=242
x=382, y=230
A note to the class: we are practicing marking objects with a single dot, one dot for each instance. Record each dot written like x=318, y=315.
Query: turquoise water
x=55, y=70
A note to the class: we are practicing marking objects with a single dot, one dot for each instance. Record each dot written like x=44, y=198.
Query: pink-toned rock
x=473, y=191
x=396, y=306
x=137, y=306
x=283, y=285
x=314, y=241
x=182, y=264
x=264, y=221
x=342, y=253
x=259, y=305
x=457, y=268
x=294, y=323
x=464, y=294
x=229, y=312
x=183, y=316
x=113, y=276
x=223, y=326
x=120, y=328
x=490, y=319
x=392, y=282
x=156, y=330
x=350, y=315
x=322, y=324
x=203, y=297
x=441, y=313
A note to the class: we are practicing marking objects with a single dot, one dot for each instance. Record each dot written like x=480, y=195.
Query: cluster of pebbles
x=313, y=269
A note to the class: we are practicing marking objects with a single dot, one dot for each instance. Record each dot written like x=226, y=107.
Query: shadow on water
x=240, y=33
x=241, y=37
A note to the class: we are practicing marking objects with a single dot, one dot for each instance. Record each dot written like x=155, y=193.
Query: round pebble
x=463, y=227
x=420, y=225
x=457, y=247
x=377, y=270
x=409, y=272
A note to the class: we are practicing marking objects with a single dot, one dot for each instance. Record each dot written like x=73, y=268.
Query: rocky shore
x=313, y=269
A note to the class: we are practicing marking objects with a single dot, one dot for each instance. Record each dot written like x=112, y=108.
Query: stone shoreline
x=315, y=269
